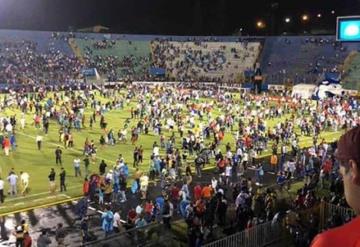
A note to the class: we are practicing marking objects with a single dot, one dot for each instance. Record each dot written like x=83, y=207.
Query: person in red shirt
x=197, y=192
x=348, y=155
x=86, y=186
x=131, y=217
x=148, y=209
x=327, y=166
x=27, y=240
x=6, y=145
x=206, y=192
x=175, y=194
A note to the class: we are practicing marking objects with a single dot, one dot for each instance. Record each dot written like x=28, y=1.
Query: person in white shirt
x=214, y=183
x=77, y=167
x=228, y=169
x=139, y=209
x=144, y=182
x=24, y=178
x=117, y=225
x=9, y=128
x=39, y=139
x=22, y=121
x=156, y=151
x=12, y=178
x=1, y=190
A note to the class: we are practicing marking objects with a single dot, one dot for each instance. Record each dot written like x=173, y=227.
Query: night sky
x=187, y=17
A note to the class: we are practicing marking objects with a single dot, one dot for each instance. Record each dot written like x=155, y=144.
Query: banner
x=157, y=71
x=89, y=72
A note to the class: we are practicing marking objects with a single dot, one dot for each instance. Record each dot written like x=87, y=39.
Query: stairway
x=76, y=50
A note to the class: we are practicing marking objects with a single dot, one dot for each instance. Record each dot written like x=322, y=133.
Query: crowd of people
x=187, y=129
x=22, y=63
x=205, y=61
x=191, y=60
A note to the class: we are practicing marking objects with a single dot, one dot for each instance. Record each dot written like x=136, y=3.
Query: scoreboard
x=348, y=29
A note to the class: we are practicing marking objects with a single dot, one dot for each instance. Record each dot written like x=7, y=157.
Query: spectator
x=77, y=167
x=107, y=221
x=1, y=190
x=43, y=240
x=60, y=234
x=27, y=240
x=39, y=140
x=52, y=181
x=62, y=180
x=12, y=179
x=58, y=153
x=348, y=155
x=117, y=225
x=19, y=234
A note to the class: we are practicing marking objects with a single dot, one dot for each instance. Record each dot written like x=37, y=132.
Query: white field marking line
x=49, y=197
x=19, y=203
x=56, y=145
x=42, y=193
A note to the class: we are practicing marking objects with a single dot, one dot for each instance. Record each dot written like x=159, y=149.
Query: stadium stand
x=54, y=58
x=206, y=61
x=35, y=57
x=310, y=58
x=116, y=59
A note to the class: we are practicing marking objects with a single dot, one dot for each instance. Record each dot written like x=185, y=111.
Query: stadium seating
x=43, y=40
x=214, y=61
x=117, y=59
x=33, y=57
x=217, y=59
x=301, y=59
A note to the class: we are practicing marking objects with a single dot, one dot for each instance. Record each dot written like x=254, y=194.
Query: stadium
x=197, y=136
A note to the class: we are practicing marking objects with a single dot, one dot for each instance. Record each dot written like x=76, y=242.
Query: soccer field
x=38, y=163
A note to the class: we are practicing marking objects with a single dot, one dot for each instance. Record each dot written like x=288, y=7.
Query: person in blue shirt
x=159, y=204
x=13, y=142
x=182, y=207
x=280, y=180
x=101, y=196
x=140, y=222
x=107, y=219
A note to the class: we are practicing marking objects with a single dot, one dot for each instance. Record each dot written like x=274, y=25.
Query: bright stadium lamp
x=305, y=17
x=260, y=24
x=318, y=15
x=287, y=20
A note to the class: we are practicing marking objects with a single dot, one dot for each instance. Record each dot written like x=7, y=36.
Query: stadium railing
x=259, y=235
x=328, y=210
